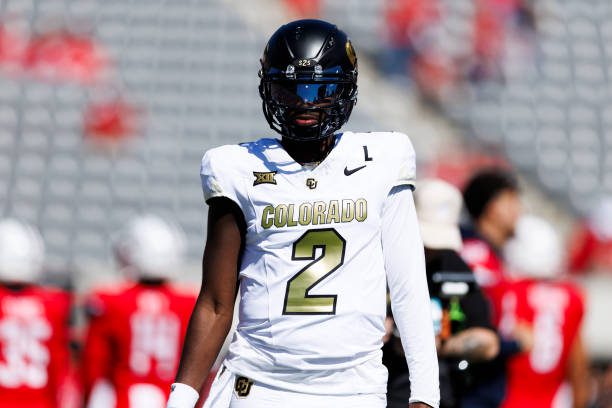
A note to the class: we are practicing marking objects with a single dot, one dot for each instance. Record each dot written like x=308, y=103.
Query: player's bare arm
x=212, y=315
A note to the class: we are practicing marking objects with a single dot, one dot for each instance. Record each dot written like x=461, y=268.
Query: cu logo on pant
x=242, y=387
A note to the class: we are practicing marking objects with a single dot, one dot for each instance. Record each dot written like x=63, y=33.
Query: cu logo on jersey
x=311, y=183
x=242, y=387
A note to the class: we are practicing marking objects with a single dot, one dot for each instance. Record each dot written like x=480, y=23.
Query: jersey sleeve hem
x=210, y=197
x=406, y=173
x=217, y=180
x=411, y=184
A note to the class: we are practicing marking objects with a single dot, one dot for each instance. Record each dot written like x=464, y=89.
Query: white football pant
x=226, y=392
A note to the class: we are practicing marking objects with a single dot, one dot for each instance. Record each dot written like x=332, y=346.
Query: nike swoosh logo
x=348, y=172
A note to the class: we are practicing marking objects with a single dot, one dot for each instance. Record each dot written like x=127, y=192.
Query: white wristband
x=182, y=396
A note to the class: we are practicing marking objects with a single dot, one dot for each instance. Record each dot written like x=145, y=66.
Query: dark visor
x=290, y=93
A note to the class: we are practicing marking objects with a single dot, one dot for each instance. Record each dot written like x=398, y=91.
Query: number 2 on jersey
x=298, y=300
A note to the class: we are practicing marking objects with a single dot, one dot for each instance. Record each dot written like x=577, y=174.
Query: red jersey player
x=34, y=353
x=136, y=329
x=493, y=203
x=554, y=309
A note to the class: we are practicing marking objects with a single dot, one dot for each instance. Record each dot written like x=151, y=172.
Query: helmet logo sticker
x=290, y=72
x=350, y=52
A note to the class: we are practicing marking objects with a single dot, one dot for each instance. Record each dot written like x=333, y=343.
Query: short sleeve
x=477, y=310
x=407, y=163
x=216, y=177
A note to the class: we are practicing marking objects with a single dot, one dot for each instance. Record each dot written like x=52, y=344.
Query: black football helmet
x=308, y=80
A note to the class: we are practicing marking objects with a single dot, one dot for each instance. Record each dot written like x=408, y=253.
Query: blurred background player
x=554, y=308
x=136, y=329
x=591, y=242
x=462, y=321
x=34, y=354
x=465, y=332
x=492, y=200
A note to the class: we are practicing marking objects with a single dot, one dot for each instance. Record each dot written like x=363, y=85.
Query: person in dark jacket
x=460, y=312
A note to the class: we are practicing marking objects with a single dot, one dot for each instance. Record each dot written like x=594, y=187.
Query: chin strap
x=311, y=165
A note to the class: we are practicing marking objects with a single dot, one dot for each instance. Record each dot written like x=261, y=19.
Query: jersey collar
x=276, y=155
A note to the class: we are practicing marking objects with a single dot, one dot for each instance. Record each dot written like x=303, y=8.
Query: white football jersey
x=312, y=278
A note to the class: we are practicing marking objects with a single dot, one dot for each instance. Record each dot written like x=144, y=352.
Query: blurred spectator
x=423, y=42
x=410, y=25
x=136, y=329
x=435, y=74
x=489, y=40
x=304, y=8
x=554, y=308
x=65, y=56
x=591, y=246
x=464, y=333
x=13, y=45
x=57, y=55
x=409, y=19
x=415, y=46
x=111, y=119
x=34, y=358
x=500, y=27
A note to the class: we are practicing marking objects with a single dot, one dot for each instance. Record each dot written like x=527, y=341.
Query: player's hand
x=389, y=323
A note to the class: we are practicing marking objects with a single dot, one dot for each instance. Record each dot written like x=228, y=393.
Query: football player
x=309, y=229
x=554, y=308
x=493, y=202
x=460, y=311
x=34, y=353
x=136, y=329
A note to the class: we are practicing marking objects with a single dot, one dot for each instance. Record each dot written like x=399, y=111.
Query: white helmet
x=150, y=247
x=535, y=251
x=600, y=219
x=22, y=252
x=438, y=206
